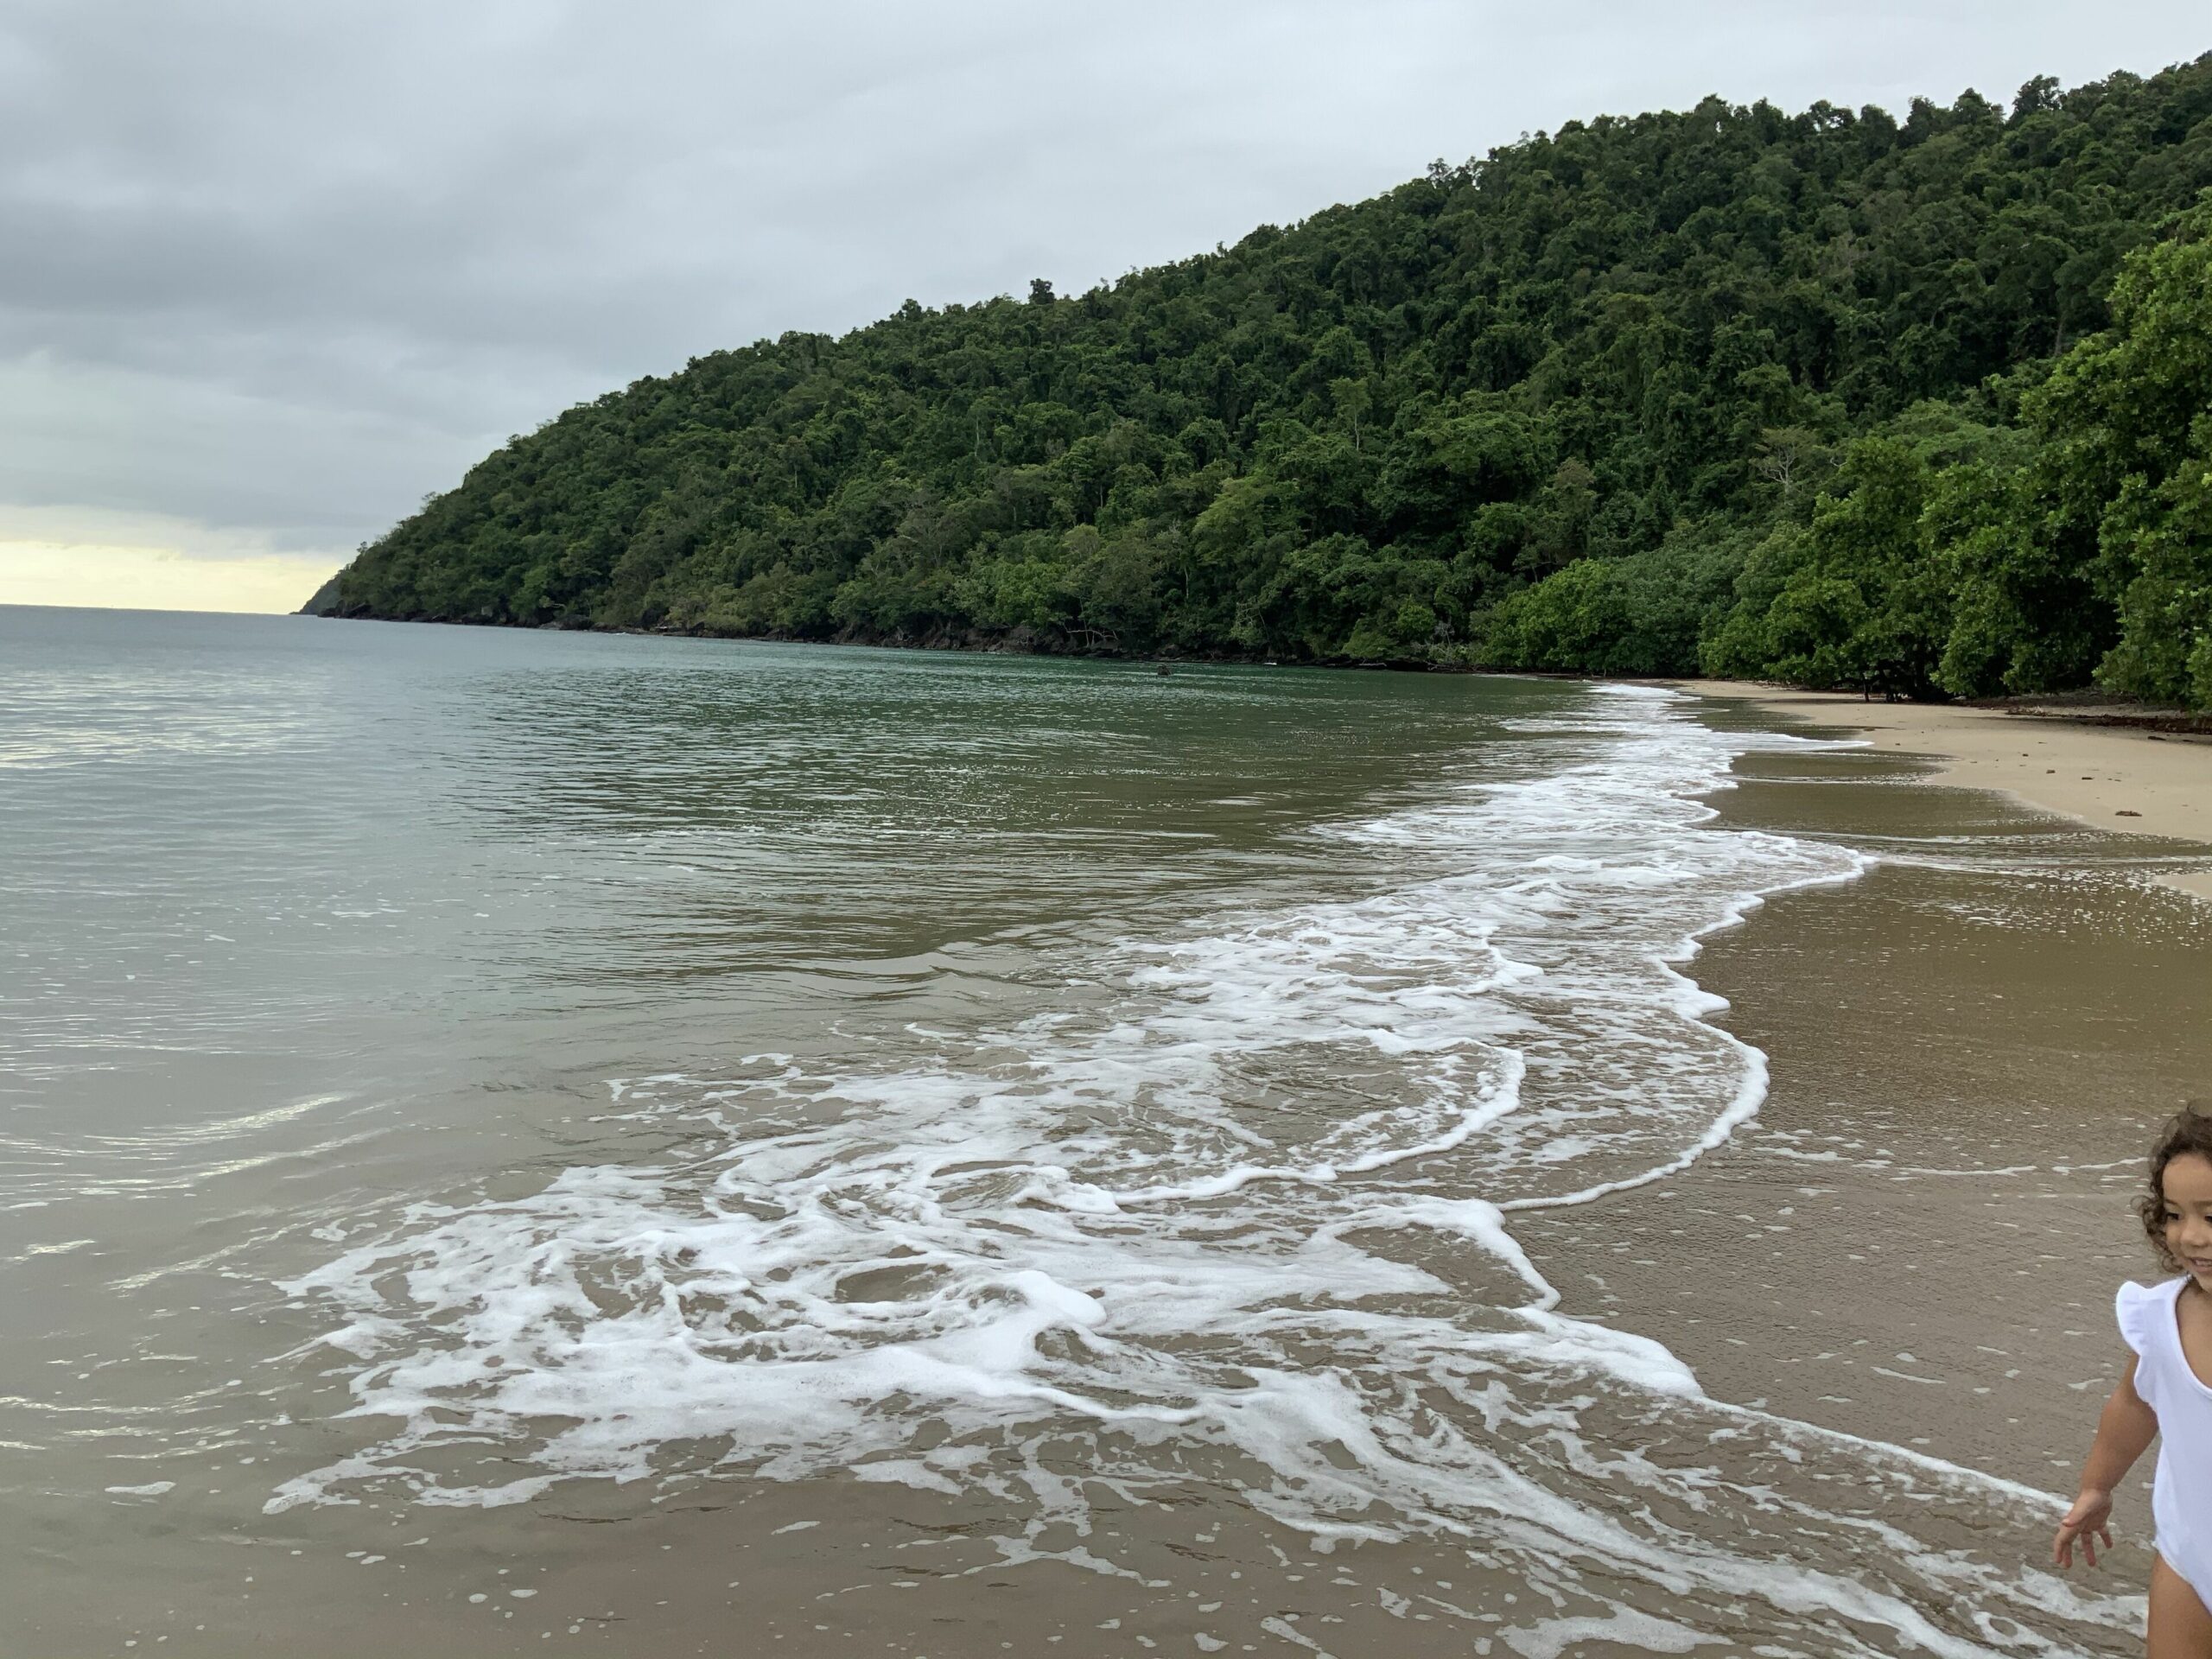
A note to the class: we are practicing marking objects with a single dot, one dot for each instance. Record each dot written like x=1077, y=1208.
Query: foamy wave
x=1246, y=1222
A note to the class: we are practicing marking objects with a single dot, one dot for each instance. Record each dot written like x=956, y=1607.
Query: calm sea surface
x=458, y=1084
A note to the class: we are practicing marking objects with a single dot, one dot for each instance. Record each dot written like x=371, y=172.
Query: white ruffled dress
x=2181, y=1492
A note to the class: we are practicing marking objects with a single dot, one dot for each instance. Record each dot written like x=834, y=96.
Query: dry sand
x=2051, y=756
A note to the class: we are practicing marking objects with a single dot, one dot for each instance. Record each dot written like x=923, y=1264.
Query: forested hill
x=1920, y=405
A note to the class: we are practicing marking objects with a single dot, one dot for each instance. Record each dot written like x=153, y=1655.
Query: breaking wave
x=1242, y=1213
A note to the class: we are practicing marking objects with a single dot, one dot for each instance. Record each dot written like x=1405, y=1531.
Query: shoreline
x=1915, y=1238
x=1848, y=1273
x=2120, y=778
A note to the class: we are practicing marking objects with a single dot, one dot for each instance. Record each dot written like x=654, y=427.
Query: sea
x=655, y=1144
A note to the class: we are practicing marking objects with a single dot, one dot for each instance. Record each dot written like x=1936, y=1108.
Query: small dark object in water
x=1163, y=668
x=2125, y=813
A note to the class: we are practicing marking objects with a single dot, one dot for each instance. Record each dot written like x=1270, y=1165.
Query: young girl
x=2167, y=1388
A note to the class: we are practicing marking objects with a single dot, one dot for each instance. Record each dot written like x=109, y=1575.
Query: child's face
x=2187, y=1185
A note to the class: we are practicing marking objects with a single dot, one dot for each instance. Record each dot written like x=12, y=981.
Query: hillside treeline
x=1920, y=406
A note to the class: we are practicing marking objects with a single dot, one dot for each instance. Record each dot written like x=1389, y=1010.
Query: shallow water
x=465, y=1087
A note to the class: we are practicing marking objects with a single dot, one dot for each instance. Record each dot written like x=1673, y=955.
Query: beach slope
x=2054, y=757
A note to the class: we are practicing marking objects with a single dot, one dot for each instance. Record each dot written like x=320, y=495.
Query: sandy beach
x=1918, y=1238
x=2113, y=777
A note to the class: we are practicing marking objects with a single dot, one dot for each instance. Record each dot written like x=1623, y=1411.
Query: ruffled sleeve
x=2138, y=1310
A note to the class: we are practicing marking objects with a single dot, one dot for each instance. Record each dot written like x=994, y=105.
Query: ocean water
x=449, y=1071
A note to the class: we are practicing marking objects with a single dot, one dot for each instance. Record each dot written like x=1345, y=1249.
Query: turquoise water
x=451, y=1070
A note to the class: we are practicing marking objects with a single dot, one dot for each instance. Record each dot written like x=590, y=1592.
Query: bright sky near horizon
x=273, y=272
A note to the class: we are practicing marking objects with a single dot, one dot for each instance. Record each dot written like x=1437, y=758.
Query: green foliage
x=2140, y=408
x=1770, y=392
x=2094, y=555
x=2164, y=535
x=1958, y=557
x=1636, y=615
x=1853, y=598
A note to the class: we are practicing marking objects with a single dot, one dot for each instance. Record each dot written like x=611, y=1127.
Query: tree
x=1787, y=458
x=2092, y=555
x=1645, y=346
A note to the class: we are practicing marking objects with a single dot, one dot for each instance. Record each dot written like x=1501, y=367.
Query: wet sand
x=2111, y=777
x=1919, y=1238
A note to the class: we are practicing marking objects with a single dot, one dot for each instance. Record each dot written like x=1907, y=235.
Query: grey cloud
x=285, y=268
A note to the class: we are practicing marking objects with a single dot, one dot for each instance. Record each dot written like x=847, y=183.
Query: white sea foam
x=1249, y=1220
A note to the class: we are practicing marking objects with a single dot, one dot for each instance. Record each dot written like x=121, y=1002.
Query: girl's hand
x=2087, y=1523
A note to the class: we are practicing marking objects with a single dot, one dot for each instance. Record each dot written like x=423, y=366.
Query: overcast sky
x=272, y=271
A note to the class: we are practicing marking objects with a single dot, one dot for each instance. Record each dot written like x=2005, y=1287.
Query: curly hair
x=2189, y=1130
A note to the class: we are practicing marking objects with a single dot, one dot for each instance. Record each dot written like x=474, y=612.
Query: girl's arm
x=2123, y=1430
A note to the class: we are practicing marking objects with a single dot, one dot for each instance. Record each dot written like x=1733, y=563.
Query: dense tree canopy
x=1914, y=405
